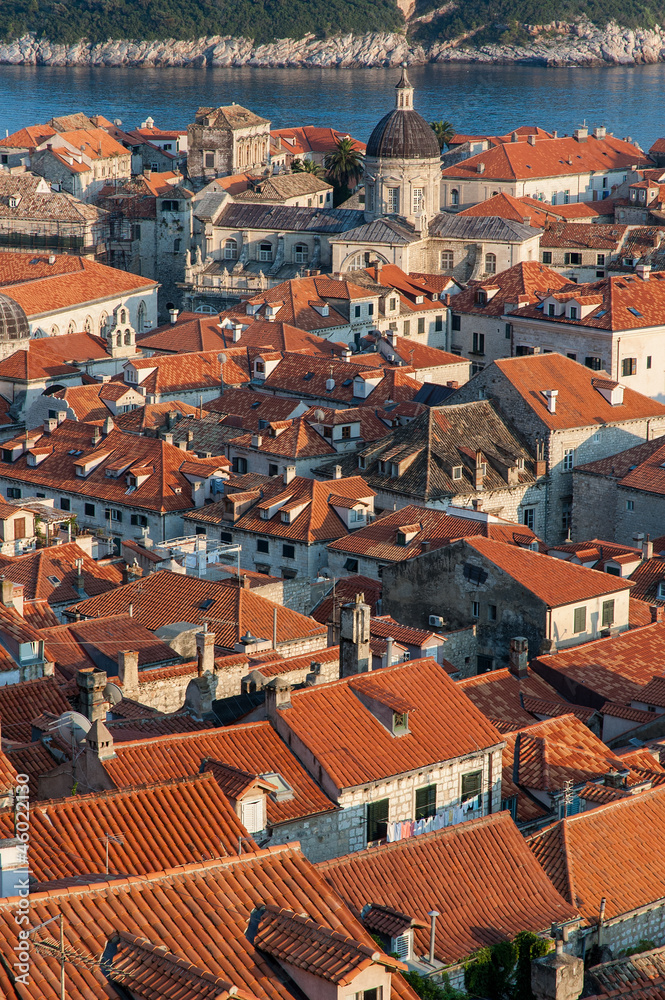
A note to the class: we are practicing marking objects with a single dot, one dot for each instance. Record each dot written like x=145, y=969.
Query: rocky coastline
x=556, y=44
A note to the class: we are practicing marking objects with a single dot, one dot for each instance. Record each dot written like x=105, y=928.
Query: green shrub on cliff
x=263, y=20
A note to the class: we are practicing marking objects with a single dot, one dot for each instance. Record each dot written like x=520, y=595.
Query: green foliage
x=263, y=20
x=644, y=944
x=307, y=167
x=503, y=21
x=344, y=164
x=503, y=971
x=444, y=131
x=427, y=989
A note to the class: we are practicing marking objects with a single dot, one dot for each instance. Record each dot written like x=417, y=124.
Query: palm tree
x=307, y=167
x=443, y=131
x=344, y=163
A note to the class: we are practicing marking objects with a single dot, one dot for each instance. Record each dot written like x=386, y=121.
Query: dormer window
x=661, y=590
x=265, y=514
x=14, y=201
x=361, y=461
x=400, y=723
x=457, y=471
x=259, y=367
x=402, y=946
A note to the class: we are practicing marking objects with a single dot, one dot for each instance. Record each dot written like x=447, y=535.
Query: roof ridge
x=110, y=793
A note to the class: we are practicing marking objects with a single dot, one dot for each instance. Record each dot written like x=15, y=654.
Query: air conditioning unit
x=436, y=620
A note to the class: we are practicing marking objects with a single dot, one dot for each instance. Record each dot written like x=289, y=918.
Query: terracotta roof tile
x=344, y=590
x=442, y=727
x=499, y=694
x=578, y=404
x=163, y=598
x=615, y=669
x=20, y=703
x=253, y=746
x=554, y=581
x=580, y=855
x=479, y=876
x=37, y=572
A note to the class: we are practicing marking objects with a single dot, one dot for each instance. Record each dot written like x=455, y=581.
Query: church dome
x=13, y=321
x=403, y=134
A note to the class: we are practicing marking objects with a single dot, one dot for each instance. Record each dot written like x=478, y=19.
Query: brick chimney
x=519, y=652
x=478, y=475
x=99, y=741
x=278, y=695
x=657, y=613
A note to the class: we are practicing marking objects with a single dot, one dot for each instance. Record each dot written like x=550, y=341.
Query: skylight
x=208, y=603
x=634, y=311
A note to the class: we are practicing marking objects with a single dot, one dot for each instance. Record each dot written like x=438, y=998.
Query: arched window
x=128, y=336
x=118, y=340
x=231, y=249
x=454, y=197
x=141, y=317
x=265, y=251
x=55, y=330
x=301, y=253
x=122, y=316
x=88, y=325
x=447, y=260
x=494, y=194
x=103, y=320
x=490, y=263
x=72, y=327
x=176, y=244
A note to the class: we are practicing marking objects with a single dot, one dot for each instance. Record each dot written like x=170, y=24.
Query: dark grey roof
x=432, y=394
x=13, y=321
x=313, y=220
x=385, y=230
x=403, y=135
x=436, y=441
x=230, y=710
x=470, y=227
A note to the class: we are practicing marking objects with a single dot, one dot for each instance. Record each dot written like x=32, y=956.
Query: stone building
x=506, y=591
x=570, y=416
x=226, y=140
x=416, y=750
x=622, y=495
x=402, y=163
x=452, y=455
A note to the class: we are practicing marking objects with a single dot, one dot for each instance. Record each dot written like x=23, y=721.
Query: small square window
x=89, y=510
x=547, y=256
x=491, y=612
x=579, y=624
x=65, y=503
x=628, y=367
x=226, y=537
x=262, y=545
x=630, y=505
x=289, y=551
x=356, y=311
x=273, y=470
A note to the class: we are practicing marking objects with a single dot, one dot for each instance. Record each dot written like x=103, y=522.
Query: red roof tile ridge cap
x=194, y=734
x=405, y=664
x=110, y=793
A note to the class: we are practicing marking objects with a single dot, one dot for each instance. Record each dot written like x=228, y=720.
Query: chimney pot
x=519, y=654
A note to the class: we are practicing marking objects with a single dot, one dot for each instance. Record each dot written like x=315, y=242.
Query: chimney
x=657, y=613
x=289, y=474
x=600, y=132
x=337, y=472
x=389, y=651
x=96, y=435
x=354, y=651
x=346, y=354
x=257, y=440
x=391, y=337
x=481, y=168
x=557, y=976
x=478, y=472
x=433, y=914
x=237, y=332
x=531, y=139
x=108, y=426
x=91, y=701
x=99, y=741
x=550, y=396
x=647, y=548
x=514, y=137
x=424, y=545
x=643, y=271
x=80, y=583
x=314, y=676
x=278, y=695
x=128, y=673
x=173, y=316
x=519, y=653
x=581, y=134
x=51, y=259
x=7, y=592
x=50, y=425
x=199, y=696
x=147, y=173
x=378, y=264
x=205, y=652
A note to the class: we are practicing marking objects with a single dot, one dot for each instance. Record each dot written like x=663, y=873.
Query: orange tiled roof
x=523, y=279
x=20, y=703
x=547, y=158
x=615, y=669
x=163, y=598
x=499, y=694
x=69, y=833
x=579, y=235
x=312, y=138
x=41, y=288
x=298, y=440
x=479, y=876
x=295, y=298
x=27, y=138
x=202, y=369
x=275, y=668
x=554, y=581
x=579, y=404
x=37, y=572
x=445, y=723
x=189, y=906
x=379, y=539
x=347, y=589
x=505, y=206
x=580, y=855
x=253, y=747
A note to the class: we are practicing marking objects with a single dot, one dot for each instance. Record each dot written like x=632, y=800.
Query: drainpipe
x=433, y=914
x=601, y=920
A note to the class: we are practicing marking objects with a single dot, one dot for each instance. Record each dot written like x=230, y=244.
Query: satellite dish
x=112, y=694
x=72, y=727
